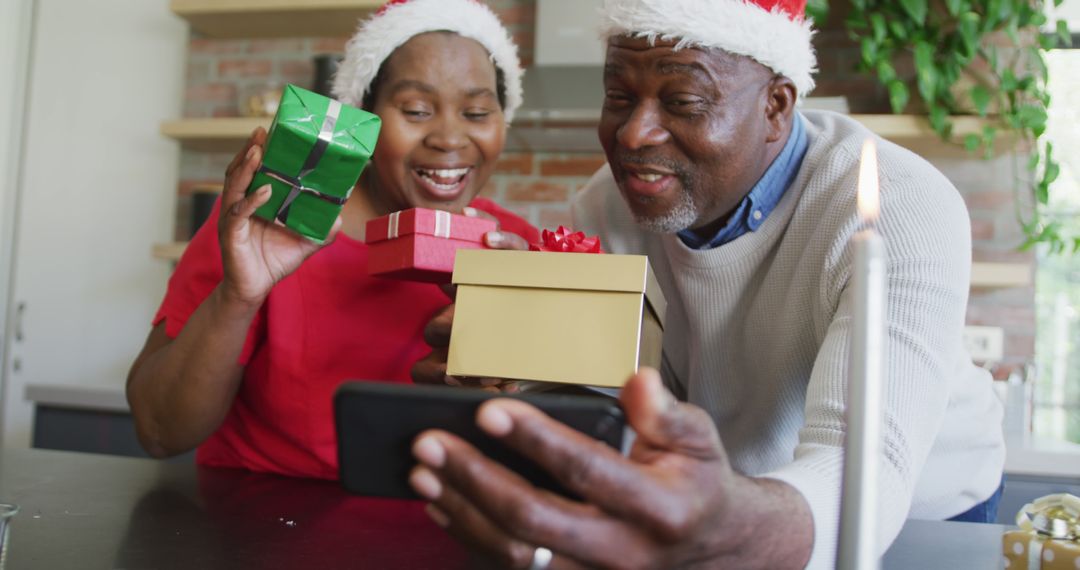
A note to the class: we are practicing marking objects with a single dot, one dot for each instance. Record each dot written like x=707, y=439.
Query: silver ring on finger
x=541, y=559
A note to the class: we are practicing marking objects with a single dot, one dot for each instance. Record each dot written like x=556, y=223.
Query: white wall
x=97, y=189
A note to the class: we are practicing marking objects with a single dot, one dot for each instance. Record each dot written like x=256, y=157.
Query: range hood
x=564, y=89
x=560, y=112
x=556, y=93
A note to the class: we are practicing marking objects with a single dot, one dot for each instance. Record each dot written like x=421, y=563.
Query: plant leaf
x=855, y=21
x=916, y=9
x=877, y=24
x=869, y=53
x=1013, y=32
x=926, y=72
x=1008, y=81
x=898, y=95
x=886, y=72
x=980, y=97
x=954, y=6
x=1063, y=33
x=939, y=121
x=1039, y=63
x=1025, y=15
x=993, y=14
x=968, y=28
x=971, y=142
x=1032, y=117
x=898, y=30
x=988, y=134
x=1053, y=170
x=818, y=10
x=1042, y=192
x=1033, y=161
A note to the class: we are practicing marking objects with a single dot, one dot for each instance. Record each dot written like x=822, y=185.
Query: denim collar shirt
x=763, y=197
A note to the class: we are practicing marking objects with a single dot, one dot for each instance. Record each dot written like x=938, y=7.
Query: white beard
x=682, y=215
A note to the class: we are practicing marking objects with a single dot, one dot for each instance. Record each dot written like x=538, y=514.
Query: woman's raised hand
x=255, y=254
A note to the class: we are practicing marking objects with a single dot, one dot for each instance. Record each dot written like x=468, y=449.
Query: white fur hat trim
x=774, y=38
x=378, y=36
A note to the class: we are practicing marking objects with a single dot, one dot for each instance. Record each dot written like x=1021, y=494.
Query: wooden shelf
x=1000, y=275
x=273, y=18
x=983, y=275
x=909, y=127
x=213, y=135
x=168, y=251
x=228, y=134
x=208, y=188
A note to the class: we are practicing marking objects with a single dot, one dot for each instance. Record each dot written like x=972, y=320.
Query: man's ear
x=779, y=106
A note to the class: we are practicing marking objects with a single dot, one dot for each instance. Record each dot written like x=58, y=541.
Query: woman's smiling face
x=443, y=127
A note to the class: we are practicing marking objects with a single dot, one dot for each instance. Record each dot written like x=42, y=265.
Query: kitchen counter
x=94, y=511
x=98, y=398
x=1035, y=457
x=93, y=419
x=1043, y=457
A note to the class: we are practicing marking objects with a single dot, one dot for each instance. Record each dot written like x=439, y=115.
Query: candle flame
x=868, y=199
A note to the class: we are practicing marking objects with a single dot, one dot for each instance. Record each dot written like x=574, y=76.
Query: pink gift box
x=419, y=244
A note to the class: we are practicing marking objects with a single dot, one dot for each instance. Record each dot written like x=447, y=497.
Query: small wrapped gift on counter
x=552, y=317
x=314, y=154
x=419, y=244
x=1049, y=538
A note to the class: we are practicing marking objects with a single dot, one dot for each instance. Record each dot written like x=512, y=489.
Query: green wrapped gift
x=315, y=152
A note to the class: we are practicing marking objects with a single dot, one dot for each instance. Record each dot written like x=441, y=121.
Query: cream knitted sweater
x=758, y=332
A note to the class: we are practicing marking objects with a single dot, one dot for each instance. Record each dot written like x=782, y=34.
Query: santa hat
x=775, y=33
x=399, y=20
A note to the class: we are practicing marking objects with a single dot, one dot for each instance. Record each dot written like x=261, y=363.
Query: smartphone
x=377, y=422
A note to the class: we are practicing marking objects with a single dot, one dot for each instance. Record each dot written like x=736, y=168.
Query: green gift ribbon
x=315, y=153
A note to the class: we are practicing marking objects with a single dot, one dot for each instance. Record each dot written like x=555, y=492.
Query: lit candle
x=858, y=549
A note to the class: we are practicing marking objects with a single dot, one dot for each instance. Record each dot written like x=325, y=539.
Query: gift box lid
x=574, y=271
x=425, y=221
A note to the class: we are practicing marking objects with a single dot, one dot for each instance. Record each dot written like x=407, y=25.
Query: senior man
x=746, y=209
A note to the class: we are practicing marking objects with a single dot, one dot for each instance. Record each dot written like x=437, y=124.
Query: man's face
x=684, y=131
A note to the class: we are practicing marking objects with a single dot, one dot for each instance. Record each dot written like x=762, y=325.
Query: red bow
x=561, y=240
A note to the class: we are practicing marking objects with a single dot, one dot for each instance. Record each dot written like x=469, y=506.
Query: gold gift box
x=573, y=318
x=1025, y=550
x=1049, y=535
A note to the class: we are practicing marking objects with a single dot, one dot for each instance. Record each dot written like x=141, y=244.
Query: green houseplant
x=983, y=57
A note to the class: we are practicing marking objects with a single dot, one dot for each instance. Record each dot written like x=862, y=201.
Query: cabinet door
x=97, y=187
x=15, y=26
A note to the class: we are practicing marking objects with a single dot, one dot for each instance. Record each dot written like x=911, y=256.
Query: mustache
x=624, y=157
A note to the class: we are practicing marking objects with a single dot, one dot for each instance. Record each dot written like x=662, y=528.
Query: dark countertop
x=97, y=511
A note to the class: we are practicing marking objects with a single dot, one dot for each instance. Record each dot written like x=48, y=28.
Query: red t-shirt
x=327, y=322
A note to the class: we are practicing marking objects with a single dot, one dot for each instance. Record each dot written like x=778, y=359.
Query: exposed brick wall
x=539, y=186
